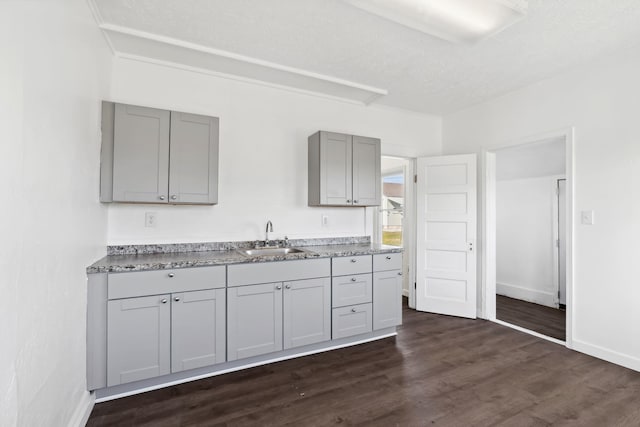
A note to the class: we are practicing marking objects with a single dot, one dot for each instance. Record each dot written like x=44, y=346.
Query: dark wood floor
x=535, y=317
x=439, y=370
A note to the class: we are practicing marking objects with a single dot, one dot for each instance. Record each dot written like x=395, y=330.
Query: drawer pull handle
x=353, y=310
x=353, y=279
x=354, y=260
x=171, y=275
x=164, y=301
x=388, y=257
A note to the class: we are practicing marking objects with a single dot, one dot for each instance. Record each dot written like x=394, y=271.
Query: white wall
x=263, y=156
x=602, y=101
x=525, y=239
x=55, y=69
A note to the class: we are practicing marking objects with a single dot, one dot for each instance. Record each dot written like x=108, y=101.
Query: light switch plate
x=587, y=217
x=325, y=220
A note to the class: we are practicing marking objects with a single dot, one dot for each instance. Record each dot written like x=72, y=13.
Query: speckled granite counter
x=152, y=257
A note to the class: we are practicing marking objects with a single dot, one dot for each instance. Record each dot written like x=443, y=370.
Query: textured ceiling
x=421, y=73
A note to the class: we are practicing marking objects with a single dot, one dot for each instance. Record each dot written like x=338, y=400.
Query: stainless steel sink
x=270, y=251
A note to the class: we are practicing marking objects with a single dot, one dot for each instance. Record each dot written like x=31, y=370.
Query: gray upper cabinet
x=344, y=170
x=140, y=154
x=366, y=171
x=158, y=156
x=193, y=165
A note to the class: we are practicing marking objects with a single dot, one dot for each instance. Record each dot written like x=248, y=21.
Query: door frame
x=556, y=234
x=408, y=226
x=487, y=300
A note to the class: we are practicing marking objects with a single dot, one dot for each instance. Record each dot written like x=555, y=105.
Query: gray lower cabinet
x=344, y=170
x=156, y=335
x=198, y=329
x=271, y=317
x=157, y=156
x=387, y=299
x=254, y=320
x=138, y=340
x=307, y=312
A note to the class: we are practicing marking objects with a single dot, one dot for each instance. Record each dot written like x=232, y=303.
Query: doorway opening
x=528, y=201
x=394, y=220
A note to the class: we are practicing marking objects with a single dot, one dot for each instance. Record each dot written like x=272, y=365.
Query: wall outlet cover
x=587, y=217
x=150, y=219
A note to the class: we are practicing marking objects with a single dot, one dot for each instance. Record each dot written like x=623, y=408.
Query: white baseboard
x=605, y=354
x=405, y=293
x=526, y=294
x=83, y=410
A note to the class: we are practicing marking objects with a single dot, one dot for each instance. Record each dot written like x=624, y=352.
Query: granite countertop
x=141, y=260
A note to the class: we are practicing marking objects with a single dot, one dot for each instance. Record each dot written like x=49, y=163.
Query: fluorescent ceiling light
x=462, y=21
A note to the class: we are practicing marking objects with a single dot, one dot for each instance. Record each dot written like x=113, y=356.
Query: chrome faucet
x=268, y=229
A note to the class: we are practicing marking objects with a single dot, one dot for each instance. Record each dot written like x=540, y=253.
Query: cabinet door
x=307, y=312
x=198, y=322
x=366, y=171
x=335, y=169
x=254, y=320
x=387, y=299
x=137, y=338
x=193, y=159
x=140, y=154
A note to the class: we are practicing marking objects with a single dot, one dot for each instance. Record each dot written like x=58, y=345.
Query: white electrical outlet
x=587, y=217
x=325, y=220
x=150, y=219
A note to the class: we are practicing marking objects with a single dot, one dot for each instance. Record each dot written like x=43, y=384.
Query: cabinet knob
x=353, y=279
x=173, y=197
x=161, y=197
x=278, y=287
x=399, y=273
x=176, y=299
x=288, y=286
x=164, y=301
x=354, y=260
x=353, y=310
x=388, y=257
x=348, y=200
x=355, y=201
x=171, y=275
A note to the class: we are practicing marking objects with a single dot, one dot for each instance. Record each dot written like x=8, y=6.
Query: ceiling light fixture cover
x=461, y=21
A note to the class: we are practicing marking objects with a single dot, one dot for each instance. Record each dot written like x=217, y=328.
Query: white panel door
x=446, y=260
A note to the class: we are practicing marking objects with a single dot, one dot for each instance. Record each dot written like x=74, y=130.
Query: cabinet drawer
x=383, y=262
x=279, y=271
x=353, y=320
x=343, y=266
x=350, y=290
x=140, y=283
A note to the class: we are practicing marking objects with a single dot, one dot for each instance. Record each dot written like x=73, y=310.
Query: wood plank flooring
x=439, y=370
x=535, y=317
